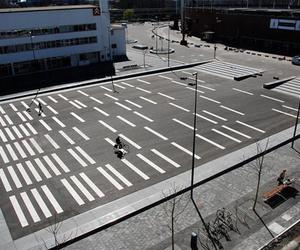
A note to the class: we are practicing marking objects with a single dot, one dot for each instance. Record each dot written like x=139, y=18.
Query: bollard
x=194, y=241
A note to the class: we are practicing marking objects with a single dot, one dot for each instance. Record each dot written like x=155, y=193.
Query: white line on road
x=92, y=185
x=21, y=117
x=107, y=89
x=77, y=117
x=66, y=137
x=2, y=122
x=8, y=120
x=130, y=141
x=51, y=165
x=35, y=217
x=144, y=90
x=101, y=111
x=28, y=115
x=185, y=150
x=108, y=126
x=147, y=100
x=31, y=128
x=156, y=133
x=3, y=155
x=110, y=178
x=45, y=125
x=58, y=121
x=272, y=98
x=119, y=86
x=85, y=155
x=33, y=171
x=82, y=188
x=60, y=162
x=5, y=181
x=83, y=93
x=52, y=99
x=80, y=103
x=165, y=77
x=143, y=81
x=25, y=105
x=135, y=169
x=42, y=101
x=167, y=96
x=96, y=100
x=179, y=107
x=27, y=146
x=12, y=152
x=165, y=158
x=288, y=107
x=14, y=177
x=126, y=121
x=117, y=174
x=52, y=110
x=75, y=105
x=25, y=131
x=2, y=111
x=24, y=174
x=232, y=110
x=123, y=106
x=43, y=168
x=13, y=107
x=282, y=112
x=243, y=91
x=18, y=211
x=179, y=83
x=134, y=104
x=52, y=200
x=205, y=87
x=209, y=99
x=127, y=84
x=41, y=203
x=183, y=123
x=9, y=133
x=63, y=97
x=210, y=141
x=17, y=132
x=109, y=141
x=226, y=135
x=237, y=132
x=72, y=192
x=205, y=118
x=252, y=127
x=36, y=145
x=20, y=150
x=112, y=97
x=143, y=116
x=84, y=136
x=77, y=158
x=2, y=136
x=152, y=164
x=199, y=91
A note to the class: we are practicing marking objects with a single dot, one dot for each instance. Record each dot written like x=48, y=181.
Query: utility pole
x=169, y=44
x=296, y=123
x=183, y=41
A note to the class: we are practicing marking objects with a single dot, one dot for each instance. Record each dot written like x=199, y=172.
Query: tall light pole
x=183, y=41
x=169, y=44
x=296, y=123
x=32, y=47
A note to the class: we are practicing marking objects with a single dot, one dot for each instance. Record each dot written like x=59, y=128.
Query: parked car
x=296, y=60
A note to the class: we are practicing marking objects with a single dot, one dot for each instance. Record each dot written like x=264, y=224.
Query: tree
x=128, y=14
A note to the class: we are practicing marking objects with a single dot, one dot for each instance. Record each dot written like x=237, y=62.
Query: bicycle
x=121, y=149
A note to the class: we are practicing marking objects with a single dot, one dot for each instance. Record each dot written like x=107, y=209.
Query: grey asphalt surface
x=152, y=112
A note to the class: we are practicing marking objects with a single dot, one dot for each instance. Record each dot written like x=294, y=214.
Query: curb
x=274, y=84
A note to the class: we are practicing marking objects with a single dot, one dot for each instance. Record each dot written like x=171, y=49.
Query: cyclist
x=119, y=150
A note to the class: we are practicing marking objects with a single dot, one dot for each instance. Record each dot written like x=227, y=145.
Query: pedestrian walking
x=40, y=109
x=281, y=178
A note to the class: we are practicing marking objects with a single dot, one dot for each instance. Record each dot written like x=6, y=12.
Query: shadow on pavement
x=284, y=195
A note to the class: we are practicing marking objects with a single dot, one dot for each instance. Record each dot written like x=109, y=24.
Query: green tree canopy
x=128, y=14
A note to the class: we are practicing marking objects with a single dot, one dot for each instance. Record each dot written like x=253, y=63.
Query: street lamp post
x=296, y=124
x=169, y=44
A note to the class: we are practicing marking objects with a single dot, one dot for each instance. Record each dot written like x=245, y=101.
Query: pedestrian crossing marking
x=42, y=101
x=112, y=97
x=92, y=185
x=72, y=192
x=291, y=87
x=14, y=177
x=52, y=200
x=35, y=217
x=20, y=150
x=185, y=150
x=51, y=165
x=18, y=211
x=96, y=100
x=134, y=104
x=110, y=178
x=285, y=113
x=3, y=155
x=126, y=121
x=127, y=84
x=11, y=152
x=123, y=106
x=209, y=99
x=210, y=141
x=165, y=158
x=156, y=133
x=147, y=100
x=52, y=110
x=58, y=122
x=143, y=81
x=52, y=99
x=36, y=145
x=135, y=169
x=21, y=116
x=205, y=118
x=144, y=90
x=33, y=171
x=28, y=115
x=250, y=126
x=84, y=136
x=31, y=128
x=101, y=111
x=25, y=131
x=27, y=146
x=179, y=107
x=85, y=155
x=77, y=117
x=2, y=136
x=199, y=91
x=226, y=135
x=8, y=120
x=237, y=132
x=119, y=86
x=77, y=158
x=63, y=97
x=82, y=188
x=214, y=115
x=5, y=181
x=2, y=122
x=45, y=125
x=167, y=96
x=83, y=93
x=2, y=110
x=130, y=141
x=15, y=129
x=75, y=105
x=60, y=162
x=184, y=124
x=42, y=168
x=9, y=133
x=24, y=174
x=80, y=103
x=119, y=175
x=41, y=203
x=52, y=142
x=25, y=105
x=107, y=126
x=66, y=137
x=143, y=116
x=152, y=164
x=107, y=89
x=13, y=107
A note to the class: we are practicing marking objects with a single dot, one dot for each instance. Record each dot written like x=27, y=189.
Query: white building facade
x=49, y=38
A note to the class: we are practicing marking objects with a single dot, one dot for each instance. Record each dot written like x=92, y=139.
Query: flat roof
x=47, y=8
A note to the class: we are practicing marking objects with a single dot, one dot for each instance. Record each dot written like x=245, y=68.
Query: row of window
x=47, y=30
x=47, y=45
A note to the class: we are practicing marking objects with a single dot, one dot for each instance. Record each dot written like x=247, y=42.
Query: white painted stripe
x=84, y=136
x=42, y=101
x=282, y=112
x=53, y=143
x=143, y=81
x=13, y=107
x=77, y=158
x=167, y=96
x=165, y=77
x=210, y=141
x=123, y=106
x=2, y=136
x=75, y=105
x=156, y=133
x=101, y=111
x=3, y=155
x=9, y=133
x=82, y=188
x=272, y=98
x=110, y=178
x=205, y=118
x=51, y=165
x=165, y=158
x=186, y=150
x=92, y=185
x=8, y=120
x=63, y=97
x=77, y=117
x=96, y=100
x=19, y=211
x=147, y=100
x=12, y=152
x=31, y=128
x=20, y=150
x=143, y=116
x=179, y=107
x=130, y=141
x=134, y=104
x=24, y=174
x=72, y=192
x=226, y=135
x=205, y=87
x=117, y=174
x=233, y=110
x=109, y=141
x=24, y=104
x=2, y=122
x=209, y=99
x=42, y=168
x=126, y=121
x=179, y=83
x=29, y=149
x=21, y=116
x=52, y=99
x=127, y=84
x=28, y=115
x=52, y=200
x=17, y=132
x=243, y=91
x=60, y=162
x=80, y=103
x=119, y=86
x=288, y=107
x=112, y=97
x=237, y=132
x=5, y=181
x=183, y=123
x=152, y=164
x=199, y=91
x=41, y=203
x=106, y=88
x=25, y=131
x=249, y=126
x=35, y=101
x=83, y=93
x=135, y=169
x=14, y=177
x=36, y=145
x=58, y=121
x=144, y=90
x=107, y=126
x=35, y=217
x=45, y=125
x=66, y=137
x=33, y=171
x=85, y=155
x=2, y=111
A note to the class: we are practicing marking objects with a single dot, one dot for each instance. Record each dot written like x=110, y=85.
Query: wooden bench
x=275, y=191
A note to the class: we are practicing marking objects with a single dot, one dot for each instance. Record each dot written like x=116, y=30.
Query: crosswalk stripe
x=134, y=104
x=209, y=99
x=252, y=127
x=80, y=103
x=288, y=107
x=186, y=150
x=51, y=165
x=226, y=135
x=96, y=100
x=14, y=177
x=8, y=120
x=24, y=174
x=107, y=89
x=58, y=122
x=77, y=117
x=82, y=188
x=285, y=113
x=183, y=123
x=5, y=181
x=31, y=128
x=42, y=101
x=119, y=86
x=2, y=136
x=165, y=158
x=41, y=203
x=237, y=132
x=92, y=185
x=143, y=81
x=101, y=111
x=12, y=152
x=36, y=145
x=52, y=110
x=3, y=155
x=35, y=217
x=205, y=118
x=2, y=110
x=147, y=100
x=117, y=174
x=25, y=131
x=60, y=162
x=28, y=115
x=179, y=107
x=109, y=141
x=243, y=91
x=13, y=107
x=77, y=158
x=199, y=91
x=107, y=126
x=110, y=178
x=9, y=133
x=156, y=133
x=130, y=141
x=214, y=115
x=232, y=110
x=17, y=132
x=63, y=97
x=143, y=116
x=127, y=84
x=27, y=146
x=167, y=96
x=152, y=164
x=24, y=104
x=33, y=171
x=72, y=192
x=42, y=168
x=75, y=105
x=18, y=211
x=45, y=125
x=84, y=136
x=2, y=122
x=123, y=106
x=66, y=137
x=210, y=141
x=126, y=121
x=144, y=90
x=52, y=142
x=52, y=99
x=85, y=155
x=20, y=150
x=83, y=93
x=179, y=83
x=112, y=97
x=272, y=98
x=135, y=169
x=165, y=77
x=21, y=116
x=52, y=200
